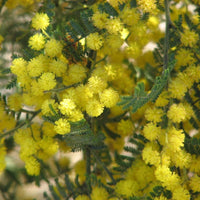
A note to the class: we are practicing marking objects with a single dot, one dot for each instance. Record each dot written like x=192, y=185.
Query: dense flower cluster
x=69, y=81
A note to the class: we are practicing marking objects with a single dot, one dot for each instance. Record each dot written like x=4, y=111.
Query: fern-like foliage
x=133, y=149
x=81, y=136
x=141, y=97
x=192, y=145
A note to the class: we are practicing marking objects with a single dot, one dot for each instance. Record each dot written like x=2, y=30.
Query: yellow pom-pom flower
x=125, y=127
x=99, y=193
x=151, y=131
x=96, y=84
x=100, y=19
x=195, y=183
x=94, y=108
x=82, y=197
x=53, y=48
x=147, y=5
x=66, y=106
x=127, y=188
x=32, y=166
x=46, y=110
x=114, y=26
x=47, y=81
x=15, y=102
x=40, y=21
x=154, y=114
x=58, y=67
x=94, y=41
x=109, y=97
x=37, y=41
x=177, y=113
x=62, y=126
x=189, y=38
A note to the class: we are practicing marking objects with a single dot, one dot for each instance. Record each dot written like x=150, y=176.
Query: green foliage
x=140, y=95
x=192, y=145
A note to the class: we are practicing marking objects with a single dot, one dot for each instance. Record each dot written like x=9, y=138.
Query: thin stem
x=166, y=43
x=104, y=167
x=61, y=89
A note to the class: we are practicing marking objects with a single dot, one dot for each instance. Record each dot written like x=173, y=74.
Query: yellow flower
x=181, y=193
x=189, y=38
x=151, y=131
x=154, y=114
x=94, y=108
x=15, y=102
x=82, y=197
x=127, y=188
x=99, y=193
x=47, y=81
x=58, y=67
x=66, y=106
x=109, y=97
x=147, y=5
x=40, y=21
x=46, y=107
x=177, y=113
x=125, y=127
x=94, y=41
x=114, y=26
x=100, y=19
x=53, y=48
x=37, y=41
x=62, y=126
x=32, y=166
x=151, y=156
x=96, y=84
x=194, y=183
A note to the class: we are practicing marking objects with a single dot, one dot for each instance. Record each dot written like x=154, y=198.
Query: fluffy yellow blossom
x=154, y=114
x=40, y=21
x=66, y=106
x=151, y=131
x=116, y=3
x=181, y=193
x=151, y=156
x=32, y=166
x=195, y=164
x=15, y=102
x=62, y=126
x=53, y=48
x=114, y=42
x=189, y=38
x=80, y=169
x=181, y=159
x=94, y=108
x=58, y=67
x=130, y=16
x=48, y=129
x=37, y=41
x=82, y=197
x=47, y=81
x=2, y=157
x=100, y=19
x=18, y=66
x=177, y=113
x=175, y=139
x=76, y=73
x=76, y=115
x=147, y=5
x=177, y=88
x=37, y=65
x=127, y=188
x=109, y=97
x=96, y=84
x=94, y=41
x=160, y=198
x=162, y=100
x=125, y=127
x=194, y=183
x=46, y=110
x=99, y=193
x=184, y=57
x=114, y=26
x=168, y=179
